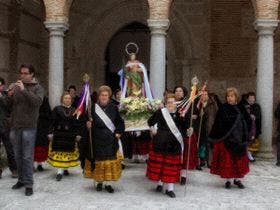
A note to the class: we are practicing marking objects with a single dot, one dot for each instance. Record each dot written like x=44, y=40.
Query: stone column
x=158, y=56
x=56, y=61
x=265, y=71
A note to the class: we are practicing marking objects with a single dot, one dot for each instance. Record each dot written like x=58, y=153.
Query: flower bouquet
x=136, y=111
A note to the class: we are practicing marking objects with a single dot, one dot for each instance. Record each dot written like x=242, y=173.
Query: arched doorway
x=115, y=55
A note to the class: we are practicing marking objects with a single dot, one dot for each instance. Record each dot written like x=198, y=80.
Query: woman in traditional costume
x=190, y=156
x=229, y=136
x=103, y=163
x=42, y=142
x=165, y=158
x=208, y=108
x=64, y=135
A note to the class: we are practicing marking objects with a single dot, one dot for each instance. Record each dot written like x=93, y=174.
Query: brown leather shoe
x=14, y=174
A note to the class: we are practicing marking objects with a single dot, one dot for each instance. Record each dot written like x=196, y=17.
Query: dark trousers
x=4, y=137
x=23, y=141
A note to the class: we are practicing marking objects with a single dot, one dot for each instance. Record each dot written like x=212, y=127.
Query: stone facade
x=23, y=38
x=213, y=39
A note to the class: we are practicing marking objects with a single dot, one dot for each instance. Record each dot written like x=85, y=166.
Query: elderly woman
x=64, y=135
x=229, y=136
x=165, y=158
x=103, y=163
x=190, y=156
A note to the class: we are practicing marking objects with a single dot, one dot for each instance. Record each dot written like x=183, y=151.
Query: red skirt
x=193, y=162
x=164, y=167
x=41, y=153
x=227, y=165
x=141, y=147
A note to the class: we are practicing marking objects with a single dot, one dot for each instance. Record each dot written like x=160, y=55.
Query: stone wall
x=233, y=47
x=23, y=38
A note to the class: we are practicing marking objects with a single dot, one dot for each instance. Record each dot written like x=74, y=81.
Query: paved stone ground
x=134, y=191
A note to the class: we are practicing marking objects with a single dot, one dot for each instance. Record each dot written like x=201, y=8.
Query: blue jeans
x=23, y=141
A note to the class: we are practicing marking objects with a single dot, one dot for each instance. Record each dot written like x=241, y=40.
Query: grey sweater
x=26, y=104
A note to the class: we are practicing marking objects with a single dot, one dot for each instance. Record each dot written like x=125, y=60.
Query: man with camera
x=26, y=96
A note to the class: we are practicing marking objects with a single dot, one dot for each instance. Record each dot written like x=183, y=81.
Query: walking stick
x=192, y=97
x=188, y=156
x=199, y=132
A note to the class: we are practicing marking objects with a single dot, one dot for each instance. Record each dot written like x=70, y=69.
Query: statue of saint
x=134, y=78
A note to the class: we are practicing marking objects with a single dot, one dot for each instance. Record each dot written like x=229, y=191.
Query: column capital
x=158, y=26
x=56, y=28
x=266, y=27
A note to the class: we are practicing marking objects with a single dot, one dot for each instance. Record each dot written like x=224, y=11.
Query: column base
x=265, y=155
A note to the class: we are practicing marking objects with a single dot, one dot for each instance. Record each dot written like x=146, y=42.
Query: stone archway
x=115, y=55
x=90, y=33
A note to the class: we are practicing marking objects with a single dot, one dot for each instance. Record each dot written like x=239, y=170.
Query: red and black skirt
x=41, y=153
x=164, y=167
x=193, y=157
x=141, y=147
x=228, y=165
x=141, y=144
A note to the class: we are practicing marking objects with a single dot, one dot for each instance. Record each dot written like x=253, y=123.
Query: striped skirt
x=227, y=165
x=164, y=167
x=193, y=156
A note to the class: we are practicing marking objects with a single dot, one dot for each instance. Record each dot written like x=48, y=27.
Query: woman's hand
x=153, y=131
x=89, y=124
x=190, y=132
x=50, y=137
x=194, y=117
x=78, y=138
x=118, y=136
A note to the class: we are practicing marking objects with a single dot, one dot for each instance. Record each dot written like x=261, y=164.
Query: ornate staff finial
x=86, y=78
x=195, y=80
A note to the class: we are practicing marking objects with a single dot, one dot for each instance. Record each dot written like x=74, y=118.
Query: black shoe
x=239, y=184
x=99, y=187
x=0, y=173
x=28, y=191
x=171, y=194
x=159, y=188
x=18, y=185
x=109, y=189
x=136, y=161
x=198, y=168
x=58, y=177
x=66, y=172
x=228, y=185
x=278, y=164
x=40, y=168
x=202, y=163
x=183, y=181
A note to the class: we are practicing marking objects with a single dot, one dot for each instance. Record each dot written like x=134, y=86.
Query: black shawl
x=232, y=125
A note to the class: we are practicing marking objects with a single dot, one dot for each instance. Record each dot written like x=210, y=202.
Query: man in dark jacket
x=26, y=96
x=4, y=130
